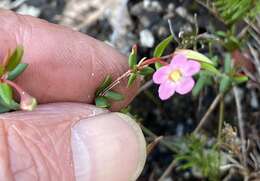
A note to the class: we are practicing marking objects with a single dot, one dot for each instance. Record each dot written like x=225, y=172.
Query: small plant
x=185, y=69
x=9, y=70
x=193, y=153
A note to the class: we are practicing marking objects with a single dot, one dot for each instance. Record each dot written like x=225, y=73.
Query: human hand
x=66, y=141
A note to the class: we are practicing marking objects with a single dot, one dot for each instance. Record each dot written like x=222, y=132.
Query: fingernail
x=108, y=147
x=141, y=141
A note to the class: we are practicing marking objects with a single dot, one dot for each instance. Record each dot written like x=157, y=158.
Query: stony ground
x=123, y=23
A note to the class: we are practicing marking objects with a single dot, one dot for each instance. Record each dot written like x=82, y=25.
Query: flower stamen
x=175, y=75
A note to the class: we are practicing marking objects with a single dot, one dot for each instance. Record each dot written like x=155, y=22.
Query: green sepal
x=132, y=59
x=115, y=96
x=146, y=71
x=160, y=48
x=15, y=58
x=102, y=102
x=19, y=69
x=105, y=83
x=225, y=83
x=131, y=79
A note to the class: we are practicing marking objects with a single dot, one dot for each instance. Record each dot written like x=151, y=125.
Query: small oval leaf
x=146, y=71
x=19, y=69
x=15, y=58
x=225, y=84
x=105, y=83
x=160, y=48
x=227, y=63
x=102, y=102
x=4, y=109
x=6, y=93
x=199, y=85
x=131, y=79
x=240, y=79
x=2, y=70
x=132, y=59
x=114, y=96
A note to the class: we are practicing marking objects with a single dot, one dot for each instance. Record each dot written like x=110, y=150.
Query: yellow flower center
x=175, y=75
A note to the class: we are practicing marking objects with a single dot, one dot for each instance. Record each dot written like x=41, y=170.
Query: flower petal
x=166, y=90
x=190, y=68
x=161, y=75
x=185, y=85
x=178, y=61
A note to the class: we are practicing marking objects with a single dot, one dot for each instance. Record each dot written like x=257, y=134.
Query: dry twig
x=209, y=111
x=241, y=126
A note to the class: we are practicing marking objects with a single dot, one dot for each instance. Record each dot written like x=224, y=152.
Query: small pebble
x=146, y=38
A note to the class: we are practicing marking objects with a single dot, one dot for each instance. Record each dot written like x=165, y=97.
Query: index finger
x=64, y=65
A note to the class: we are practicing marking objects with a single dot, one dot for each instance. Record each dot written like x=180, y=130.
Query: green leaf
x=2, y=70
x=15, y=58
x=132, y=59
x=193, y=55
x=105, y=83
x=160, y=48
x=4, y=109
x=158, y=65
x=240, y=79
x=209, y=68
x=102, y=102
x=221, y=34
x=227, y=63
x=146, y=71
x=225, y=84
x=199, y=85
x=19, y=69
x=6, y=93
x=114, y=96
x=131, y=79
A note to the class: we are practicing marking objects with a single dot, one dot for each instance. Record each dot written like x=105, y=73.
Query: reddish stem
x=139, y=67
x=14, y=85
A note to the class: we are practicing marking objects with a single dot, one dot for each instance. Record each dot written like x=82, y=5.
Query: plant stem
x=241, y=126
x=116, y=82
x=154, y=136
x=221, y=118
x=15, y=86
x=168, y=170
x=139, y=67
x=150, y=147
x=209, y=111
x=220, y=124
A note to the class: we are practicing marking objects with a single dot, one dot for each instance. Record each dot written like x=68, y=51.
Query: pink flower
x=176, y=77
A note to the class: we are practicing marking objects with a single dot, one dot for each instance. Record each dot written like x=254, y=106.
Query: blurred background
x=122, y=23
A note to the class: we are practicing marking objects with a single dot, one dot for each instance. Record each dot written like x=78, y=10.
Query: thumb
x=64, y=65
x=70, y=141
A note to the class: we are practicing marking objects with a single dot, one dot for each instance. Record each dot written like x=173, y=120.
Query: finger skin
x=64, y=65
x=41, y=145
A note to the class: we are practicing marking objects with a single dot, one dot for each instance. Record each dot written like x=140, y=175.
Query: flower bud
x=27, y=102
